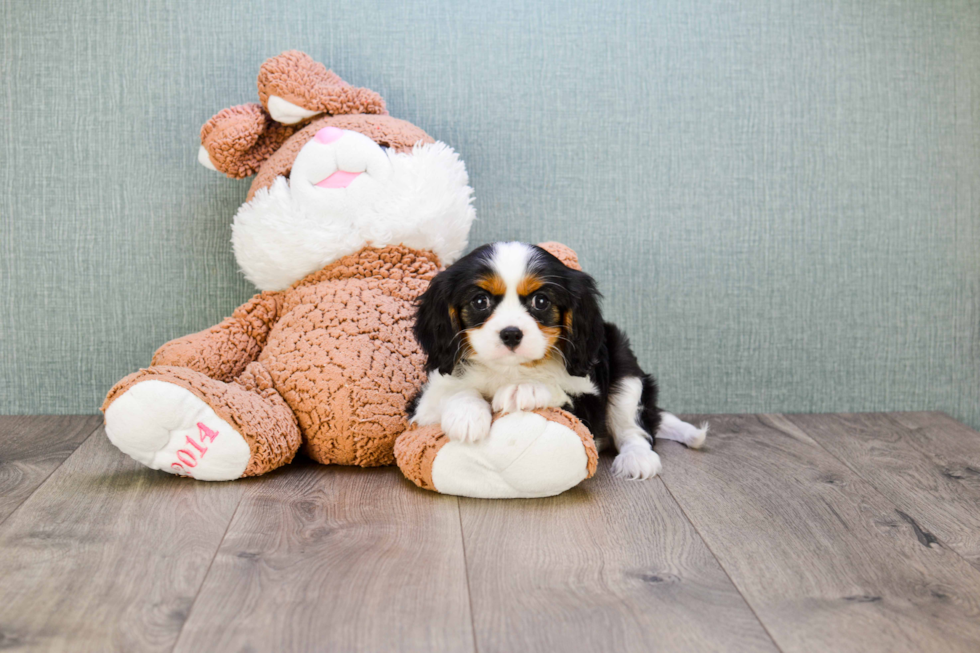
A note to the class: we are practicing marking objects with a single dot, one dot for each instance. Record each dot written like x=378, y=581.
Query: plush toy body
x=349, y=217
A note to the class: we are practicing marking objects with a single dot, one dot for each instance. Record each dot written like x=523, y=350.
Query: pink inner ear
x=339, y=179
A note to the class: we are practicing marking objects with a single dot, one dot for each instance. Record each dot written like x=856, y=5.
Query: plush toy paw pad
x=467, y=420
x=636, y=464
x=521, y=396
x=167, y=427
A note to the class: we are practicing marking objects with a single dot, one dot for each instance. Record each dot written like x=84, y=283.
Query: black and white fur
x=509, y=327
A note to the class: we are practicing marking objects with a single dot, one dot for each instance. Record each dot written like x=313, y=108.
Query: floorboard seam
x=874, y=487
x=912, y=442
x=204, y=578
x=722, y=567
x=466, y=569
x=43, y=482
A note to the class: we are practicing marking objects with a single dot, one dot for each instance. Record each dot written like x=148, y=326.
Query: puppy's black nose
x=511, y=337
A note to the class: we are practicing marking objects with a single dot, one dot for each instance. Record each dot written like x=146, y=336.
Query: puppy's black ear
x=437, y=325
x=584, y=327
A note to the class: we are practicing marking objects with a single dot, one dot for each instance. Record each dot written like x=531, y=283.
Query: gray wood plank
x=609, y=566
x=31, y=447
x=334, y=558
x=826, y=561
x=108, y=555
x=927, y=464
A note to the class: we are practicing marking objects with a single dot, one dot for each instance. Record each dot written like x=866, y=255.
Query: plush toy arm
x=223, y=351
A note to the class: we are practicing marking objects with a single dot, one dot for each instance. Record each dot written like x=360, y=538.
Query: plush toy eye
x=540, y=302
x=480, y=303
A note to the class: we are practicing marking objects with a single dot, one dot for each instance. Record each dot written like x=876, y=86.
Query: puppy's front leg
x=522, y=396
x=466, y=416
x=462, y=412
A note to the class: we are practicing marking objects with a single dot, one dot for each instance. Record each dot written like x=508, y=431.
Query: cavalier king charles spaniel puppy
x=509, y=327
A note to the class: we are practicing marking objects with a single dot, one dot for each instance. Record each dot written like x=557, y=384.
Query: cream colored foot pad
x=525, y=455
x=169, y=428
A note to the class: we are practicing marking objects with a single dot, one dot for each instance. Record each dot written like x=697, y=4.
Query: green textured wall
x=781, y=200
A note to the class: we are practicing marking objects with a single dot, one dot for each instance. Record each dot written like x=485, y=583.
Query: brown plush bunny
x=350, y=215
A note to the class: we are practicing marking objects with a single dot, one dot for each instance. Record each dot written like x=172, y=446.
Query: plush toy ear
x=237, y=140
x=294, y=88
x=563, y=253
x=437, y=326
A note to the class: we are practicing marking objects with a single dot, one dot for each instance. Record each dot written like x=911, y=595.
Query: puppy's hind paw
x=673, y=428
x=698, y=437
x=636, y=464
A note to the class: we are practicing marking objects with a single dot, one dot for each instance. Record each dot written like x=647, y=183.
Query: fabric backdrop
x=779, y=199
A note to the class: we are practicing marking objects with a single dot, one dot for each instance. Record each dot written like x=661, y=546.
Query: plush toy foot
x=169, y=428
x=182, y=422
x=536, y=454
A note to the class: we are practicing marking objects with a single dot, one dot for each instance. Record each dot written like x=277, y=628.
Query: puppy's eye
x=480, y=303
x=540, y=302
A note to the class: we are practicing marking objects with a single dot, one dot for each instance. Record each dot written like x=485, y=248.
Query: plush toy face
x=335, y=159
x=344, y=193
x=334, y=173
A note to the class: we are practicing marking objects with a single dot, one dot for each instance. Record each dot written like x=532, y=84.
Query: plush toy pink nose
x=328, y=135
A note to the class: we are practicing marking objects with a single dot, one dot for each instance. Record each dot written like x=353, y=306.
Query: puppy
x=508, y=328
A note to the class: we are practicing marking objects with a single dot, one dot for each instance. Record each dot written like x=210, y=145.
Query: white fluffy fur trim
x=425, y=203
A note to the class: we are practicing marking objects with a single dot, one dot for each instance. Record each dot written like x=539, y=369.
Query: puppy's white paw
x=698, y=437
x=521, y=396
x=636, y=464
x=466, y=419
x=673, y=428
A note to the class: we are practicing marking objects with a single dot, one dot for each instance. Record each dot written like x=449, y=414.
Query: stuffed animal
x=350, y=214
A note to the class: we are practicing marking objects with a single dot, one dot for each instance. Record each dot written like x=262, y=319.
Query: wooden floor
x=785, y=533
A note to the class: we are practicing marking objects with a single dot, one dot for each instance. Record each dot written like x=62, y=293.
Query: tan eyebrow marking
x=529, y=284
x=493, y=284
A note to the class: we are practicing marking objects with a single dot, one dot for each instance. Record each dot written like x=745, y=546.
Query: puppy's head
x=510, y=304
